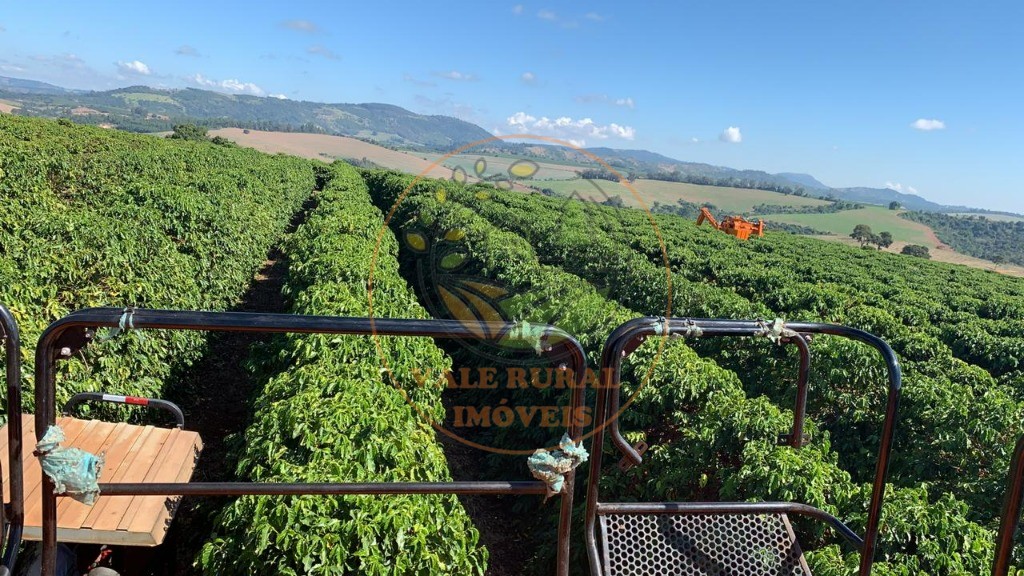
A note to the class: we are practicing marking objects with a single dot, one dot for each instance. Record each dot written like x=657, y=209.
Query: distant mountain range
x=19, y=86
x=645, y=161
x=144, y=109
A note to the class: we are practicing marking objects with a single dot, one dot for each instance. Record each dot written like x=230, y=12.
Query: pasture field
x=878, y=217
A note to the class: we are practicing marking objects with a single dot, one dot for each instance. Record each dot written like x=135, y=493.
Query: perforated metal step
x=700, y=545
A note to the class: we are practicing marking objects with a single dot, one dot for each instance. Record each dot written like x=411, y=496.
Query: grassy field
x=880, y=219
x=726, y=200
x=133, y=98
x=500, y=165
x=6, y=107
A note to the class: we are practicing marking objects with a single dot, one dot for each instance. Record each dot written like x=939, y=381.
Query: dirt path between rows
x=215, y=396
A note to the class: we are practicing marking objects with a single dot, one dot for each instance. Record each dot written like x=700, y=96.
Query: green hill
x=144, y=109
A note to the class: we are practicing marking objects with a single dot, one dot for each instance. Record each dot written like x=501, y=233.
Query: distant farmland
x=991, y=216
x=725, y=199
x=500, y=165
x=329, y=148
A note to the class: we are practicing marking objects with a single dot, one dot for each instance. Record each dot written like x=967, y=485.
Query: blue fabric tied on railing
x=74, y=472
x=551, y=467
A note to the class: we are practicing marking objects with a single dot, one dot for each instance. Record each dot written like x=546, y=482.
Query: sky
x=921, y=97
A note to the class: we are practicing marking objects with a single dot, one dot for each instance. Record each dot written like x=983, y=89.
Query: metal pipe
x=569, y=486
x=77, y=328
x=1011, y=512
x=804, y=375
x=160, y=404
x=16, y=520
x=318, y=489
x=709, y=508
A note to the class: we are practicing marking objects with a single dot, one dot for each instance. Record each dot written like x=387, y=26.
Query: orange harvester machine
x=733, y=225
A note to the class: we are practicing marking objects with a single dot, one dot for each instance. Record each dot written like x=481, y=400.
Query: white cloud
x=133, y=67
x=547, y=15
x=186, y=50
x=627, y=102
x=565, y=128
x=279, y=96
x=229, y=85
x=695, y=140
x=900, y=188
x=928, y=124
x=731, y=135
x=528, y=78
x=318, y=50
x=624, y=132
x=304, y=26
x=456, y=75
x=517, y=9
x=594, y=16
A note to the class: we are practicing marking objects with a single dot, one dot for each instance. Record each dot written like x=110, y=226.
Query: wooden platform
x=131, y=454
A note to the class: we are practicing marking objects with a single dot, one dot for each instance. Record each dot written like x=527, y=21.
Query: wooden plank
x=141, y=518
x=6, y=465
x=71, y=514
x=132, y=454
x=188, y=466
x=93, y=444
x=138, y=471
x=33, y=471
x=144, y=442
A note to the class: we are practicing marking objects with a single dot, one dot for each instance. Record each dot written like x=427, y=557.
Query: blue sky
x=919, y=96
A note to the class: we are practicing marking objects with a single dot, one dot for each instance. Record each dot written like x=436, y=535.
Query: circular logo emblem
x=438, y=259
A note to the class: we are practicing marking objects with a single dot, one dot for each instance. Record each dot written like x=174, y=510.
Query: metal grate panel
x=700, y=545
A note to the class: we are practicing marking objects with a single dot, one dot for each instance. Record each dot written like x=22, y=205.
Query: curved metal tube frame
x=62, y=337
x=628, y=336
x=166, y=405
x=11, y=527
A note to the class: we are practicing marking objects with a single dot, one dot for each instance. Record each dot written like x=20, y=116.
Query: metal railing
x=628, y=337
x=67, y=335
x=157, y=403
x=13, y=524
